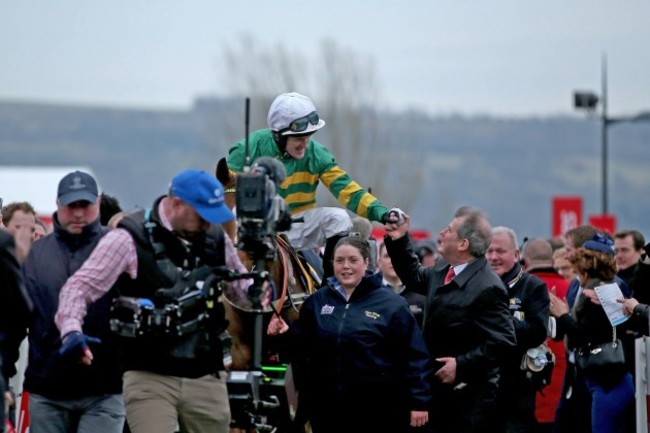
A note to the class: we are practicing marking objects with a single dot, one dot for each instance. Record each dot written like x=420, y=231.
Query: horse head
x=292, y=279
x=228, y=179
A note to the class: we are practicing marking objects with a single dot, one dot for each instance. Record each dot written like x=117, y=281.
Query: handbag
x=594, y=358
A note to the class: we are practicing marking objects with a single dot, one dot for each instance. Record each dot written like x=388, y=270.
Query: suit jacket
x=467, y=319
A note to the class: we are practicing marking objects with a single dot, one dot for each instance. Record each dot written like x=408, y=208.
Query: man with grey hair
x=528, y=302
x=467, y=325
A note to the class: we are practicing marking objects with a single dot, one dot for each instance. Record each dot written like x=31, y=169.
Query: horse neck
x=230, y=227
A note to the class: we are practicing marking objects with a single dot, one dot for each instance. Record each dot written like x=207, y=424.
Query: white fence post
x=642, y=391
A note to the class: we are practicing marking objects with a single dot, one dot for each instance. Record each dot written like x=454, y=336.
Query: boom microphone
x=271, y=167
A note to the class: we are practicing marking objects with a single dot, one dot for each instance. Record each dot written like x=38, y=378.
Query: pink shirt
x=115, y=254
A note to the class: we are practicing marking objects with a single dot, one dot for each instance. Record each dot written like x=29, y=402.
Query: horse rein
x=284, y=249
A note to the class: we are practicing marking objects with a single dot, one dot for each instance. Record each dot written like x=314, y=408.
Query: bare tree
x=260, y=72
x=348, y=94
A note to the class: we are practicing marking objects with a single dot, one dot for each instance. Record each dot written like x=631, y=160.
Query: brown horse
x=291, y=276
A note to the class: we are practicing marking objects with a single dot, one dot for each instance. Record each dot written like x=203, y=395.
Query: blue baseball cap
x=600, y=243
x=204, y=193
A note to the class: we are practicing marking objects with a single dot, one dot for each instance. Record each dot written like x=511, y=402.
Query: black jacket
x=415, y=300
x=51, y=261
x=637, y=278
x=467, y=319
x=15, y=308
x=193, y=355
x=529, y=304
x=364, y=356
x=587, y=325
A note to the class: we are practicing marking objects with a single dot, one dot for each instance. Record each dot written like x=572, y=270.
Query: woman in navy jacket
x=364, y=363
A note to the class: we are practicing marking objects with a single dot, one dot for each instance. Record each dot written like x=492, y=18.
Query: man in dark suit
x=467, y=325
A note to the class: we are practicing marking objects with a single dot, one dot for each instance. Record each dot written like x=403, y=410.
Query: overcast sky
x=500, y=57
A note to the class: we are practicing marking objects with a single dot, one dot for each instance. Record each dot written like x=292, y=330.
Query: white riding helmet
x=294, y=114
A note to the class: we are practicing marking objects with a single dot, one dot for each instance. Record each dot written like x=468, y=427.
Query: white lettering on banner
x=568, y=220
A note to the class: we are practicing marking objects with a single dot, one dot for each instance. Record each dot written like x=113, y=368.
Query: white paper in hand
x=608, y=295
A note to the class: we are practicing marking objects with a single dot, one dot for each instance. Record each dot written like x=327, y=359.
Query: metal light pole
x=605, y=125
x=588, y=101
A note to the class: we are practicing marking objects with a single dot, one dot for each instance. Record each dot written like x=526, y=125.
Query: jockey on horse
x=292, y=120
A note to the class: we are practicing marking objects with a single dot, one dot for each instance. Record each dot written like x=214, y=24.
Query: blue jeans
x=103, y=413
x=610, y=408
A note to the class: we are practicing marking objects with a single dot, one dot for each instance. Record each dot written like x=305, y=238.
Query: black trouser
x=573, y=414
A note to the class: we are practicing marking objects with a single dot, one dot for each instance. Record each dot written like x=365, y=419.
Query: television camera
x=258, y=400
x=261, y=212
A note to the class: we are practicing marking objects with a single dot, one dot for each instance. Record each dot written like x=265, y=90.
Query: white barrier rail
x=641, y=386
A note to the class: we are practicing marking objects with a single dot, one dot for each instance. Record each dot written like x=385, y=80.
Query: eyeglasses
x=301, y=124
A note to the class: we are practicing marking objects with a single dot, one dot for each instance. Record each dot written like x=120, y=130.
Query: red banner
x=605, y=222
x=567, y=214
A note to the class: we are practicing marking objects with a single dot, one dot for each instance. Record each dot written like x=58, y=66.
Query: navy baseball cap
x=204, y=193
x=77, y=186
x=600, y=243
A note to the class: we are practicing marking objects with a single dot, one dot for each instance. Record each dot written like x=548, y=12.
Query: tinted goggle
x=299, y=125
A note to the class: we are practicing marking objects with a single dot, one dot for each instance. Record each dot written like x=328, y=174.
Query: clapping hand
x=558, y=306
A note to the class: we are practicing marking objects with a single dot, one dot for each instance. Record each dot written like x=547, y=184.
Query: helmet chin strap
x=281, y=142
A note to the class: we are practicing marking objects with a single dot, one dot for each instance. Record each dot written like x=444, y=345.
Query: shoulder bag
x=594, y=358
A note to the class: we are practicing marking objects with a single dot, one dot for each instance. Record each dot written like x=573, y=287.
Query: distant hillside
x=510, y=167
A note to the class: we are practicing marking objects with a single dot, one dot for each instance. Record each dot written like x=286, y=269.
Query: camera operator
x=162, y=260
